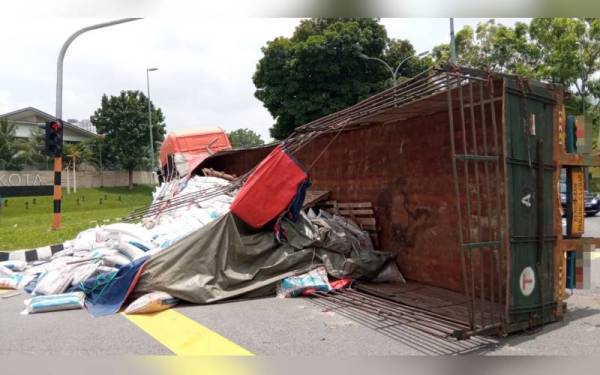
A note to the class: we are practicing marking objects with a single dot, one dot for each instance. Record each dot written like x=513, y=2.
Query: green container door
x=528, y=120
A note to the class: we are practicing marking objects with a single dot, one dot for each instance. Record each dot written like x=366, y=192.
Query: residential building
x=28, y=118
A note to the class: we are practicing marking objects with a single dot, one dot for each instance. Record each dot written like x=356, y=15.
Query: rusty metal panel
x=577, y=218
x=236, y=162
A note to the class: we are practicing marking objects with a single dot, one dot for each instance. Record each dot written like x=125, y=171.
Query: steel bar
x=540, y=221
x=294, y=146
x=477, y=157
x=456, y=188
x=418, y=336
x=368, y=317
x=362, y=110
x=394, y=316
x=365, y=103
x=409, y=336
x=478, y=205
x=467, y=196
x=169, y=208
x=432, y=314
x=487, y=200
x=497, y=254
x=477, y=245
x=338, y=305
x=359, y=110
x=181, y=200
x=396, y=307
x=421, y=91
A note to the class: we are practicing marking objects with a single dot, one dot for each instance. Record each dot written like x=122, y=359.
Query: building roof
x=48, y=117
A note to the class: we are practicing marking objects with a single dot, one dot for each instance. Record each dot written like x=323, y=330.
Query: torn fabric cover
x=227, y=259
x=270, y=190
x=222, y=260
x=111, y=297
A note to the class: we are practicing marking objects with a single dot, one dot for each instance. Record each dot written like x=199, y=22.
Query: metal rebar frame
x=478, y=191
x=481, y=199
x=424, y=331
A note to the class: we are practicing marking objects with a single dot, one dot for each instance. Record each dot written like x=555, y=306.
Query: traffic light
x=54, y=138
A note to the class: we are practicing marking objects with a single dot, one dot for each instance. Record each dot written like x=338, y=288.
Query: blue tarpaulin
x=109, y=299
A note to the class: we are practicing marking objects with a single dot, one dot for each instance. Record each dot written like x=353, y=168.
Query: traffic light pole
x=59, y=83
x=57, y=193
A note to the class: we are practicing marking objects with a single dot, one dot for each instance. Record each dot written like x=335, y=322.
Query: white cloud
x=205, y=64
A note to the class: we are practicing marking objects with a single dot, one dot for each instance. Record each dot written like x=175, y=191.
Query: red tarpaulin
x=196, y=145
x=269, y=190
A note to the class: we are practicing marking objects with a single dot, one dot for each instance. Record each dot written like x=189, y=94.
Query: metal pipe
x=488, y=201
x=148, y=70
x=497, y=254
x=478, y=206
x=452, y=43
x=468, y=203
x=455, y=183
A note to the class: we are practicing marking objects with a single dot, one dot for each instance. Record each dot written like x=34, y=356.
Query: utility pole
x=59, y=87
x=452, y=43
x=150, y=120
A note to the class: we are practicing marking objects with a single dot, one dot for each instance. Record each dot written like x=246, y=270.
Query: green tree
x=9, y=159
x=77, y=153
x=99, y=148
x=570, y=50
x=244, y=138
x=319, y=70
x=495, y=47
x=401, y=51
x=123, y=120
x=31, y=151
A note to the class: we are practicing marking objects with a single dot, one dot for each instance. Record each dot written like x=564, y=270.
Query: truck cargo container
x=462, y=169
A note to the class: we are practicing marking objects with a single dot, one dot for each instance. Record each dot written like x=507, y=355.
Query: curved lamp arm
x=63, y=51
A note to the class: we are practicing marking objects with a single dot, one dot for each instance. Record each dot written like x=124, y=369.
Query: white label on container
x=527, y=281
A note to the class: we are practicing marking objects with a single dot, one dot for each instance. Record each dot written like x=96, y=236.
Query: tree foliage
x=558, y=50
x=8, y=147
x=244, y=138
x=77, y=153
x=399, y=53
x=32, y=150
x=123, y=121
x=319, y=70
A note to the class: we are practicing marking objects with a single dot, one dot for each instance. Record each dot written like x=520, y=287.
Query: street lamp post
x=59, y=87
x=393, y=72
x=150, y=119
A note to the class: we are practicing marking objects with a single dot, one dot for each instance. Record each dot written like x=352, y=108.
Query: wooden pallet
x=314, y=197
x=361, y=213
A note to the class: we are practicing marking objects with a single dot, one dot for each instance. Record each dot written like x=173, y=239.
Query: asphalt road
x=592, y=226
x=285, y=327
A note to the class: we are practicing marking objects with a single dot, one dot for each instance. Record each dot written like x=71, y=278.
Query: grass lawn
x=22, y=228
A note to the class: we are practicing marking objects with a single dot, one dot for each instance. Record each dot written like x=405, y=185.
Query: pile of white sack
x=101, y=251
x=168, y=227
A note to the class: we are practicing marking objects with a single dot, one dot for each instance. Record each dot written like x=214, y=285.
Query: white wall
x=84, y=178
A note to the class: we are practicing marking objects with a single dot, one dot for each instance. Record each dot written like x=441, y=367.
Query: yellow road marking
x=170, y=365
x=184, y=336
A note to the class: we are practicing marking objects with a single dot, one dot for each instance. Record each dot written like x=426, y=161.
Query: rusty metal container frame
x=454, y=89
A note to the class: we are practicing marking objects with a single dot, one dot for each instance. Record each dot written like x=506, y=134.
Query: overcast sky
x=205, y=65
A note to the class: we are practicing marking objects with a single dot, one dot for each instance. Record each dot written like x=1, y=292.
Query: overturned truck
x=460, y=170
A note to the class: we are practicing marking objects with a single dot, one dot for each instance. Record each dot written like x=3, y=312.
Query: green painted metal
x=523, y=136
